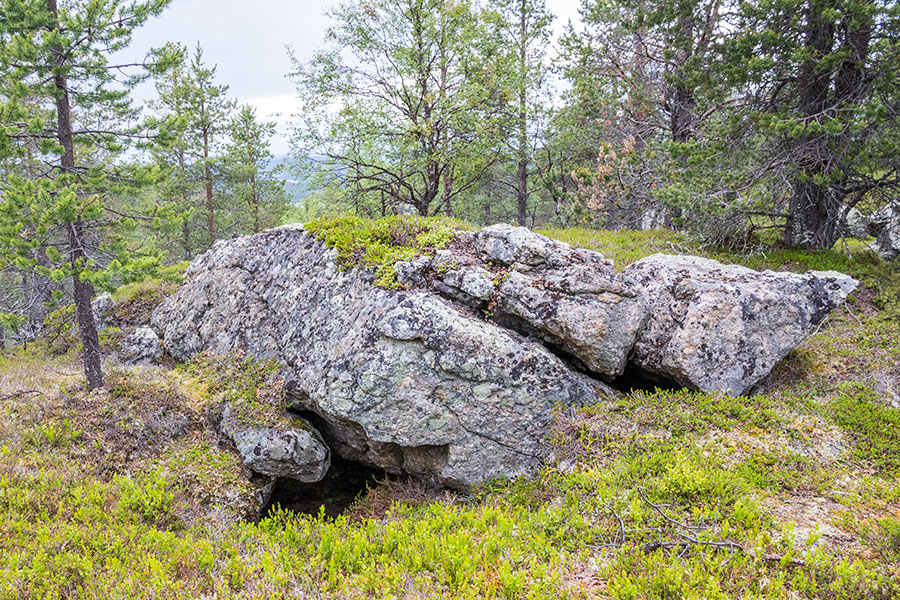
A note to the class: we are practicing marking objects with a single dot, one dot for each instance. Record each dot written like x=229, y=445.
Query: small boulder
x=281, y=447
x=141, y=345
x=718, y=327
x=885, y=225
x=856, y=224
x=102, y=306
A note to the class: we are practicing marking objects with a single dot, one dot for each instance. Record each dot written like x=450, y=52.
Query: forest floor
x=790, y=493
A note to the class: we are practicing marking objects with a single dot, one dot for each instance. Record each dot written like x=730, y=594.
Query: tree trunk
x=185, y=228
x=207, y=174
x=448, y=189
x=255, y=196
x=814, y=208
x=83, y=290
x=522, y=171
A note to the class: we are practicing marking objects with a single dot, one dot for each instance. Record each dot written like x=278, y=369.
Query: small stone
x=141, y=345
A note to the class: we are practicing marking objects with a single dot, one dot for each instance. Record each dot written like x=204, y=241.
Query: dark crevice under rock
x=343, y=484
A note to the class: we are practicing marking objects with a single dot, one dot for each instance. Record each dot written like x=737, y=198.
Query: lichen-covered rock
x=885, y=225
x=723, y=327
x=141, y=345
x=568, y=297
x=102, y=306
x=856, y=224
x=401, y=380
x=280, y=447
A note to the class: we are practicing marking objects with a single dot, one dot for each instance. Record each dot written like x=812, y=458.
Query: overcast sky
x=247, y=41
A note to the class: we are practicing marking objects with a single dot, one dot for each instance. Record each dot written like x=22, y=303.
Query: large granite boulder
x=455, y=379
x=405, y=381
x=718, y=327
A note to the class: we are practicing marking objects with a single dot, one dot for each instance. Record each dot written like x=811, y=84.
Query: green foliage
x=874, y=427
x=148, y=496
x=380, y=243
x=407, y=105
x=684, y=411
x=54, y=433
x=249, y=387
x=784, y=470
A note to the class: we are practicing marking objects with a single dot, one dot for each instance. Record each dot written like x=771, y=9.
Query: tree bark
x=210, y=206
x=814, y=208
x=522, y=170
x=83, y=290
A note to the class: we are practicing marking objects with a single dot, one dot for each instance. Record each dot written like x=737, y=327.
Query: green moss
x=381, y=243
x=247, y=386
x=134, y=302
x=624, y=246
x=874, y=428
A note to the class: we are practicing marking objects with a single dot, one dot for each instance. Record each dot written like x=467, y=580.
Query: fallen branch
x=688, y=537
x=19, y=394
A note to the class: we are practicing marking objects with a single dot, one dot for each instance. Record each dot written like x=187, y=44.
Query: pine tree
x=61, y=100
x=250, y=180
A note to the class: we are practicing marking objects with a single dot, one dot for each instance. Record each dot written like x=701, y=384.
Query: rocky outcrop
x=455, y=379
x=400, y=380
x=720, y=327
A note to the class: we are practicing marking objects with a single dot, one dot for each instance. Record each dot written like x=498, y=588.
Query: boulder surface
x=718, y=327
x=283, y=447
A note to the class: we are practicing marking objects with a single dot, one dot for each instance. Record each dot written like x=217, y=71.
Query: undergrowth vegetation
x=791, y=492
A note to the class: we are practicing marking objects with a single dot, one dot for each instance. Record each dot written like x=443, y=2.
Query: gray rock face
x=568, y=297
x=284, y=447
x=885, y=225
x=401, y=380
x=723, y=327
x=856, y=224
x=141, y=345
x=102, y=306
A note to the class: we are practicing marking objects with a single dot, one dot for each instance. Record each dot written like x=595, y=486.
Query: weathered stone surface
x=283, y=447
x=885, y=225
x=723, y=327
x=400, y=380
x=567, y=297
x=102, y=306
x=141, y=345
x=856, y=224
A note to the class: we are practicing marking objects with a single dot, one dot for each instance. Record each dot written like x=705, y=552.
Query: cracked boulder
x=718, y=327
x=405, y=381
x=569, y=298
